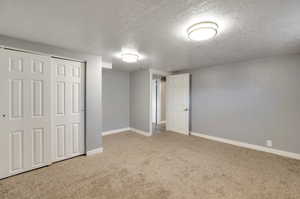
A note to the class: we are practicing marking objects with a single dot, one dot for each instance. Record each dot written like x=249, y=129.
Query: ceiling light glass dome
x=130, y=57
x=202, y=31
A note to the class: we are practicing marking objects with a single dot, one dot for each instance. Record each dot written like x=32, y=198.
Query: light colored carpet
x=164, y=166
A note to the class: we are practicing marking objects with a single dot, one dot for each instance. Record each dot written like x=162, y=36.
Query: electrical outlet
x=269, y=143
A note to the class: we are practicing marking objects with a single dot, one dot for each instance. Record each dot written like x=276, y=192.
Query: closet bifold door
x=24, y=112
x=68, y=109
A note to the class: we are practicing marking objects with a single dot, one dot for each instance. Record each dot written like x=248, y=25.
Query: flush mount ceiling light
x=129, y=57
x=202, y=31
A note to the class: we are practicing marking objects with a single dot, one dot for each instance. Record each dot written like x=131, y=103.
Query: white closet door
x=68, y=106
x=24, y=112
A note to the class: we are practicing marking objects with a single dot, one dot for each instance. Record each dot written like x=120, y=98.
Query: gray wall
x=93, y=84
x=115, y=99
x=140, y=100
x=250, y=102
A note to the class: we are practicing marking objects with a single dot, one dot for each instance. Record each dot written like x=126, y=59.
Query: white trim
x=148, y=134
x=159, y=72
x=162, y=122
x=41, y=53
x=94, y=151
x=151, y=72
x=107, y=65
x=115, y=131
x=150, y=101
x=126, y=129
x=249, y=146
x=180, y=132
x=25, y=51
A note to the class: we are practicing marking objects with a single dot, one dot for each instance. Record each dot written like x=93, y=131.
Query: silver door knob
x=186, y=109
x=4, y=115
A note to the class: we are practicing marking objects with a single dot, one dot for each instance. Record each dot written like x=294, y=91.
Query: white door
x=178, y=103
x=24, y=112
x=68, y=107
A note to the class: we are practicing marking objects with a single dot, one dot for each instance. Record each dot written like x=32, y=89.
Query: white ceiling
x=248, y=28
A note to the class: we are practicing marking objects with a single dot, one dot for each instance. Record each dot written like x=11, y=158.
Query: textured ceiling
x=248, y=28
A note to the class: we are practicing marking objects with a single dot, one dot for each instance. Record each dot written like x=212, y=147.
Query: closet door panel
x=68, y=98
x=25, y=112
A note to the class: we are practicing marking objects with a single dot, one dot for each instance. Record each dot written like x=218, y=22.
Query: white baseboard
x=115, y=131
x=94, y=151
x=249, y=146
x=162, y=122
x=140, y=132
x=180, y=132
x=124, y=130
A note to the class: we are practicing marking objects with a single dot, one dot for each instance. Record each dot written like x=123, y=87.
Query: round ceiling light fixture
x=129, y=57
x=202, y=31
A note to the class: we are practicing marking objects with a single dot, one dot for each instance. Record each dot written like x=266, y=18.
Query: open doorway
x=158, y=109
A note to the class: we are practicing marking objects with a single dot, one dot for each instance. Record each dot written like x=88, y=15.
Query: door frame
x=151, y=73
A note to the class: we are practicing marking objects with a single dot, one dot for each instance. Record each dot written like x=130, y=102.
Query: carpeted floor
x=167, y=165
